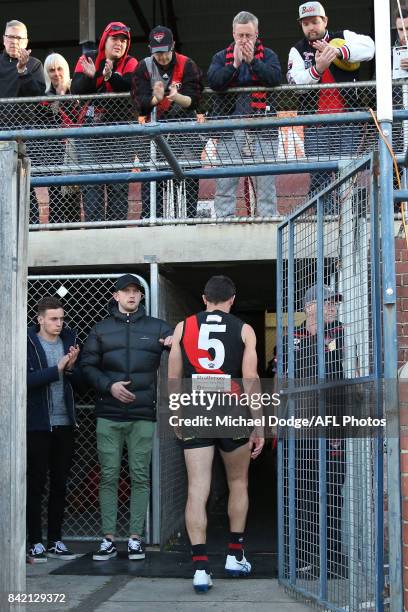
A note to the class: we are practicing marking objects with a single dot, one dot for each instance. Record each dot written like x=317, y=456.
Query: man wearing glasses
x=20, y=74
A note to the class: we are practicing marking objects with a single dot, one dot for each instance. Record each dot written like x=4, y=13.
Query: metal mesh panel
x=194, y=198
x=174, y=306
x=85, y=298
x=329, y=491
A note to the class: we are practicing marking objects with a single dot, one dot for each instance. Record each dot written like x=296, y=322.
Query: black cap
x=161, y=39
x=127, y=279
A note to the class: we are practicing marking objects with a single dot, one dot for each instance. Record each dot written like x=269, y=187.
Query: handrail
x=208, y=91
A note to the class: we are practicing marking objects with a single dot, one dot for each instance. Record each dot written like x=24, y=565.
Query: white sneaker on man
x=202, y=581
x=236, y=568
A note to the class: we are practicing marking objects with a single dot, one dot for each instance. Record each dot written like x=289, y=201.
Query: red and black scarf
x=258, y=101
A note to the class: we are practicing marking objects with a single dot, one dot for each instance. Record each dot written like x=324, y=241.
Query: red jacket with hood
x=121, y=78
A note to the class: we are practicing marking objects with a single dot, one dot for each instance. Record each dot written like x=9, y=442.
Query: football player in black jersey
x=215, y=342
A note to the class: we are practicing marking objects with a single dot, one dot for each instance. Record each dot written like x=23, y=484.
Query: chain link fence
x=331, y=491
x=84, y=298
x=194, y=198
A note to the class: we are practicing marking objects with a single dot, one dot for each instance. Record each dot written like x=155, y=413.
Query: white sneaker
x=202, y=581
x=37, y=554
x=237, y=568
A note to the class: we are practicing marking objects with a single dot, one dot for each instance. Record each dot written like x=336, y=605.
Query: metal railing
x=330, y=477
x=93, y=165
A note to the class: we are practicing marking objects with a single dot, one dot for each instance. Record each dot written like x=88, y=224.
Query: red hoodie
x=122, y=68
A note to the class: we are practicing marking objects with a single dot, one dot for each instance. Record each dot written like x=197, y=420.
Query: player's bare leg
x=236, y=466
x=199, y=469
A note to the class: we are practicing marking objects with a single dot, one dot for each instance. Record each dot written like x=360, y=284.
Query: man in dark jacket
x=120, y=360
x=51, y=370
x=245, y=63
x=308, y=481
x=20, y=76
x=171, y=83
x=107, y=70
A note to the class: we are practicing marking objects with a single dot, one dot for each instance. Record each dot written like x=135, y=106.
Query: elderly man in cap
x=307, y=456
x=326, y=56
x=172, y=84
x=120, y=361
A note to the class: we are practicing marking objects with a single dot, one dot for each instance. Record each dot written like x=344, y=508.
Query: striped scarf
x=258, y=98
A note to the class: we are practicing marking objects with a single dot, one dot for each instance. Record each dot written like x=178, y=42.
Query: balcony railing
x=95, y=163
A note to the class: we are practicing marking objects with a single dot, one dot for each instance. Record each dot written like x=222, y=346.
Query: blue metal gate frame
x=286, y=274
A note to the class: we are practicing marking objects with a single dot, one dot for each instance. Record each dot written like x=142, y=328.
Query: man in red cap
x=107, y=70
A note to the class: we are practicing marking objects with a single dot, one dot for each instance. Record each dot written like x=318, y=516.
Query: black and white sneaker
x=37, y=554
x=107, y=550
x=135, y=549
x=58, y=550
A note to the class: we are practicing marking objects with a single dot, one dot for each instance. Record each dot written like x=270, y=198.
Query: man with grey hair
x=20, y=74
x=245, y=63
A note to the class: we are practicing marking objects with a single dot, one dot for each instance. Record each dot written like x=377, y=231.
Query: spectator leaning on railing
x=171, y=83
x=64, y=201
x=107, y=70
x=324, y=56
x=245, y=63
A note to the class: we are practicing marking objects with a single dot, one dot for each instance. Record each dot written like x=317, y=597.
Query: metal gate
x=330, y=480
x=85, y=298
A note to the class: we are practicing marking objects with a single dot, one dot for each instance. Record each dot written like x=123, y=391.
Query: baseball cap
x=127, y=279
x=160, y=39
x=311, y=9
x=328, y=294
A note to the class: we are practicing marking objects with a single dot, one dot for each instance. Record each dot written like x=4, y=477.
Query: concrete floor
x=123, y=593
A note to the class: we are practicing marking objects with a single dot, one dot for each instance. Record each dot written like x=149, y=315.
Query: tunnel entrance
x=181, y=288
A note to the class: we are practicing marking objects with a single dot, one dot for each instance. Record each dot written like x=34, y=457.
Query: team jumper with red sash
x=211, y=343
x=182, y=71
x=185, y=73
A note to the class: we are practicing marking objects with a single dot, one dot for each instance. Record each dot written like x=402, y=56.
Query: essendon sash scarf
x=258, y=98
x=177, y=79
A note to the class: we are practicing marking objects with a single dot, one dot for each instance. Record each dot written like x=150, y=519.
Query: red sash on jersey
x=177, y=78
x=190, y=344
x=191, y=333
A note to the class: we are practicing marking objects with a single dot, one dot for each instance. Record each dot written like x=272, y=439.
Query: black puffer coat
x=125, y=347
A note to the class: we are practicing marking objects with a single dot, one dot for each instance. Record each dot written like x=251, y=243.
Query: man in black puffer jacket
x=120, y=360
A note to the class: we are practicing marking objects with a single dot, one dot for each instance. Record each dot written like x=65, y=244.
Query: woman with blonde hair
x=64, y=201
x=57, y=75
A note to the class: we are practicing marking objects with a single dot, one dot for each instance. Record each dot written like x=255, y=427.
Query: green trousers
x=110, y=437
